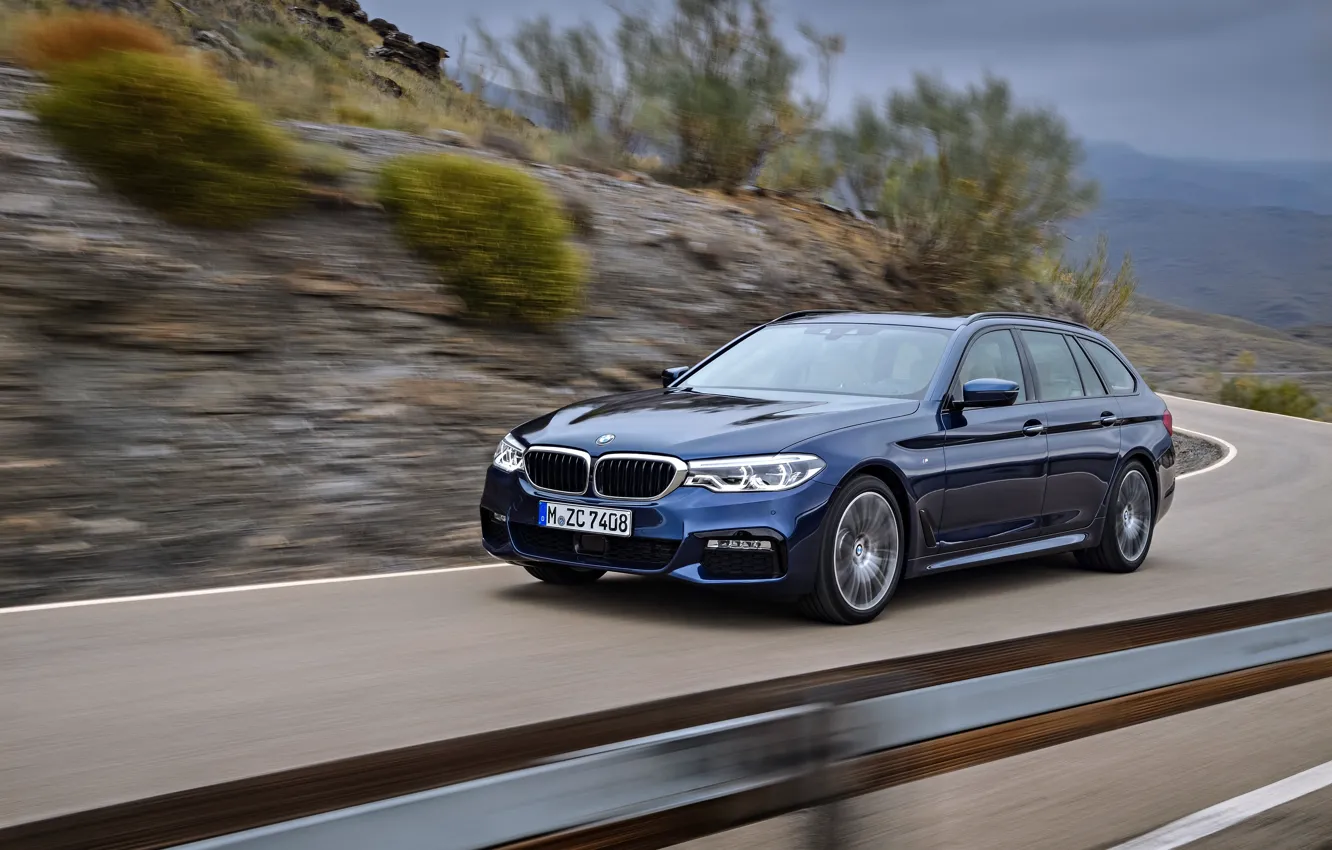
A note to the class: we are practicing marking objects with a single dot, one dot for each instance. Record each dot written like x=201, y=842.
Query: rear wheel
x=1129, y=524
x=862, y=555
x=553, y=574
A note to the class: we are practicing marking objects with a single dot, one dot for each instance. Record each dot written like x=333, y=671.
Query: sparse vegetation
x=974, y=185
x=800, y=168
x=712, y=83
x=45, y=42
x=1288, y=397
x=498, y=238
x=863, y=152
x=970, y=186
x=168, y=134
x=569, y=71
x=288, y=67
x=1105, y=304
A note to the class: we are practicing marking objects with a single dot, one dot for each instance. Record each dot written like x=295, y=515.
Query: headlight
x=508, y=454
x=753, y=474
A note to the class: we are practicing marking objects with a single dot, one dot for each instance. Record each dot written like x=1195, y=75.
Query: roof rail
x=800, y=314
x=1003, y=314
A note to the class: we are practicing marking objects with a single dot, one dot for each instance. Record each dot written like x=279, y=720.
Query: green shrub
x=799, y=168
x=975, y=186
x=496, y=235
x=285, y=43
x=169, y=135
x=1106, y=302
x=1288, y=397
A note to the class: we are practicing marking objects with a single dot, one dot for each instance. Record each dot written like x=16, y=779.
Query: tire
x=863, y=534
x=568, y=576
x=1122, y=548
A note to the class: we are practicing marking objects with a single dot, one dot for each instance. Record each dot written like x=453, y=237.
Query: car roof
x=924, y=320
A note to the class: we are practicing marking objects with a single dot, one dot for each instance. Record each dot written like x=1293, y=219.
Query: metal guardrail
x=649, y=776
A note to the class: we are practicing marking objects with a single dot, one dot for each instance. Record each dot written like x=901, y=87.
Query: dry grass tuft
x=45, y=42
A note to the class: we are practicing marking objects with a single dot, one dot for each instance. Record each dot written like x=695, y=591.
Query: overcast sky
x=1225, y=79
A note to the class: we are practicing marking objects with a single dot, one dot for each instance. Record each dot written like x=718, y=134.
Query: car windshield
x=893, y=361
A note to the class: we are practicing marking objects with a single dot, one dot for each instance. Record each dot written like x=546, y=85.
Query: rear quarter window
x=1118, y=379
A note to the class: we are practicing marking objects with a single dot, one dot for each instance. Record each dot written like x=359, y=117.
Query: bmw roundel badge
x=604, y=439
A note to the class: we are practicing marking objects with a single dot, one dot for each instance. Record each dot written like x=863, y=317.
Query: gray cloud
x=1230, y=79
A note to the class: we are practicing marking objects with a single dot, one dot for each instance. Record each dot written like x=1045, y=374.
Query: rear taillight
x=1169, y=422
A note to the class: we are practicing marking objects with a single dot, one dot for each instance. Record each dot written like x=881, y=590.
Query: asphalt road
x=112, y=702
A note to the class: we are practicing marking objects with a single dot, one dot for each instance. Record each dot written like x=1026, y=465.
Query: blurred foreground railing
x=653, y=775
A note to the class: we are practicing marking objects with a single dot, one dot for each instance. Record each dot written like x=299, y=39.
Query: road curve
x=112, y=702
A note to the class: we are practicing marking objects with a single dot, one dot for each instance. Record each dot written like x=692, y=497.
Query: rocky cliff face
x=179, y=408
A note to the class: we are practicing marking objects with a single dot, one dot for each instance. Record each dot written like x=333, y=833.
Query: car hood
x=693, y=425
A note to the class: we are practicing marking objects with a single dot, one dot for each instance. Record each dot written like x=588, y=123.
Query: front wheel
x=862, y=555
x=1129, y=524
x=553, y=574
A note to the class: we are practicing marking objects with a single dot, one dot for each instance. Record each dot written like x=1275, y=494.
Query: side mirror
x=670, y=376
x=989, y=392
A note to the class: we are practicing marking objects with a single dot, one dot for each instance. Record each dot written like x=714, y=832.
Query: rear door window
x=1091, y=382
x=1116, y=375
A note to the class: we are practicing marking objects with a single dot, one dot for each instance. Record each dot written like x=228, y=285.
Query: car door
x=1081, y=426
x=994, y=458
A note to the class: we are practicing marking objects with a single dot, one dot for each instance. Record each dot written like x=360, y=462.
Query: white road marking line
x=1224, y=815
x=1244, y=409
x=241, y=588
x=1231, y=451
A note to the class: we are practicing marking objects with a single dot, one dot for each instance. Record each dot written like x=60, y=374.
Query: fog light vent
x=741, y=545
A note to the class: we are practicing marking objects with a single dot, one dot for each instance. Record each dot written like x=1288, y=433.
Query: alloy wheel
x=865, y=551
x=1133, y=516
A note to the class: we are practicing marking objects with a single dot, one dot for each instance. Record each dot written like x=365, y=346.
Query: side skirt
x=1012, y=552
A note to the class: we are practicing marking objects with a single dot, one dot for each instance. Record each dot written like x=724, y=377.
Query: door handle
x=1108, y=419
x=1033, y=428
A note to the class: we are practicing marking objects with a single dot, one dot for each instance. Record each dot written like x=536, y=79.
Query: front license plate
x=609, y=521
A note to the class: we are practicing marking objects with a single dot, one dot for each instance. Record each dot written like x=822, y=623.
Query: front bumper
x=670, y=535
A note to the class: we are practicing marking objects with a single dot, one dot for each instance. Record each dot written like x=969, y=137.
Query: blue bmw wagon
x=825, y=456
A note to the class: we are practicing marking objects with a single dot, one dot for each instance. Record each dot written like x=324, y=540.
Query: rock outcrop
x=311, y=18
x=349, y=8
x=420, y=56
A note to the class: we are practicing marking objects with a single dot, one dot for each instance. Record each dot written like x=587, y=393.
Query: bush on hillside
x=975, y=184
x=798, y=168
x=1105, y=302
x=711, y=81
x=45, y=42
x=1288, y=397
x=498, y=238
x=167, y=134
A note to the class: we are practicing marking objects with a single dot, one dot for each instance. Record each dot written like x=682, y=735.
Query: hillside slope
x=304, y=399
x=1188, y=353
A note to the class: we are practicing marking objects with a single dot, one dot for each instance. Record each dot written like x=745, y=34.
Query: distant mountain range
x=1128, y=174
x=1252, y=240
